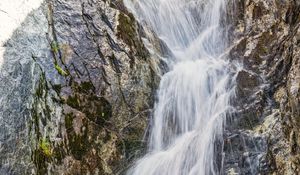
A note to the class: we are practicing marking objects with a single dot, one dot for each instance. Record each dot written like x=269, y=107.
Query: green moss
x=97, y=109
x=85, y=87
x=45, y=147
x=42, y=155
x=42, y=87
x=69, y=122
x=78, y=144
x=54, y=47
x=59, y=153
x=61, y=71
x=40, y=161
x=73, y=101
x=126, y=30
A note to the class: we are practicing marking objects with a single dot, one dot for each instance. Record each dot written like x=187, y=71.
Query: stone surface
x=266, y=34
x=87, y=84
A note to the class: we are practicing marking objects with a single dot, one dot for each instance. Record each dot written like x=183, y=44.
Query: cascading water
x=194, y=96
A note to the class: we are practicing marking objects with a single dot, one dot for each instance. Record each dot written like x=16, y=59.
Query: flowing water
x=194, y=96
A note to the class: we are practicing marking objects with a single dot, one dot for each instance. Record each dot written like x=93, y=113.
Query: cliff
x=263, y=137
x=87, y=84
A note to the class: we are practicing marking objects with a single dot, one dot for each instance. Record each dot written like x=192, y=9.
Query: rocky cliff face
x=89, y=83
x=267, y=40
x=90, y=116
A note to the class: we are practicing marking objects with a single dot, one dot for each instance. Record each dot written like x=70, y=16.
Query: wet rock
x=246, y=82
x=91, y=89
x=267, y=42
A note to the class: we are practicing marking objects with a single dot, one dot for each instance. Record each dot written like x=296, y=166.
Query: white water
x=12, y=14
x=194, y=96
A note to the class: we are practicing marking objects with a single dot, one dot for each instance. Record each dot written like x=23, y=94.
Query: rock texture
x=78, y=87
x=267, y=42
x=89, y=83
x=17, y=76
x=101, y=94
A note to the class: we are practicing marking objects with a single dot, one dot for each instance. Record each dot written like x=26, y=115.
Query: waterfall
x=194, y=96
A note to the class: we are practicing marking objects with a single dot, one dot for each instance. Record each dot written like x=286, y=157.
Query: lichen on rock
x=104, y=86
x=267, y=33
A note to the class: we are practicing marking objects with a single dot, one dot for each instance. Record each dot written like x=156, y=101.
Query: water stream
x=194, y=96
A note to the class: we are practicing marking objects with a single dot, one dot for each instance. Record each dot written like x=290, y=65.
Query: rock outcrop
x=101, y=94
x=90, y=90
x=267, y=42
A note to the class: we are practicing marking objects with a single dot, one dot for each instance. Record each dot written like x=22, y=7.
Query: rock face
x=267, y=42
x=102, y=91
x=89, y=83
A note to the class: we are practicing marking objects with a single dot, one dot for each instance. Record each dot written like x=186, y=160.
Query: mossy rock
x=127, y=30
x=83, y=98
x=42, y=155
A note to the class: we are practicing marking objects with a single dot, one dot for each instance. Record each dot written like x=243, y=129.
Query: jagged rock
x=267, y=37
x=91, y=92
